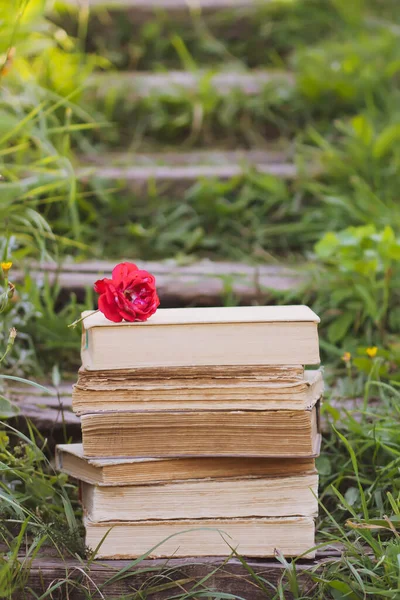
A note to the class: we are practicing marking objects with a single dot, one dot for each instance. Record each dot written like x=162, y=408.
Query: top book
x=179, y=337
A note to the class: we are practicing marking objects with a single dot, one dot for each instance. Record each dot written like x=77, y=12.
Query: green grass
x=167, y=42
x=245, y=217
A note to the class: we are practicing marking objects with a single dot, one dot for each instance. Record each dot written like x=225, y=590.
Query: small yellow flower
x=372, y=351
x=346, y=357
x=6, y=266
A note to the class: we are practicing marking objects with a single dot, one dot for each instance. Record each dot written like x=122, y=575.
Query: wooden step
x=48, y=411
x=181, y=170
x=160, y=579
x=203, y=283
x=137, y=85
x=169, y=5
x=278, y=152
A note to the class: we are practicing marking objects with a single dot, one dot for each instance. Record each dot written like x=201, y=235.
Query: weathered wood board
x=162, y=579
x=203, y=283
x=143, y=84
x=138, y=7
x=177, y=173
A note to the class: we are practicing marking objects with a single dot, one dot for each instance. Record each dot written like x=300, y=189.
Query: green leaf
x=386, y=141
x=370, y=304
x=363, y=364
x=340, y=326
x=353, y=458
x=323, y=465
x=7, y=408
x=363, y=129
x=342, y=590
x=352, y=496
x=327, y=245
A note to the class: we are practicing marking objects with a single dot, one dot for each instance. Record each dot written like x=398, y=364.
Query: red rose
x=130, y=294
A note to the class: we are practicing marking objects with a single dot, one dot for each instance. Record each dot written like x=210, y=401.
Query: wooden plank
x=204, y=283
x=51, y=413
x=272, y=153
x=180, y=171
x=78, y=580
x=170, y=5
x=275, y=152
x=137, y=85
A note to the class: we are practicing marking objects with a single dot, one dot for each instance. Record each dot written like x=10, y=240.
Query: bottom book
x=292, y=536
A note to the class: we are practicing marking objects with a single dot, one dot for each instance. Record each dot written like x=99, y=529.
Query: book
x=204, y=499
x=252, y=537
x=240, y=335
x=274, y=433
x=202, y=394
x=121, y=378
x=137, y=471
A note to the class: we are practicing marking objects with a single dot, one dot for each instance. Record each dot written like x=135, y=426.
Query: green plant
x=359, y=165
x=6, y=296
x=245, y=218
x=41, y=73
x=341, y=75
x=199, y=116
x=357, y=286
x=271, y=32
x=32, y=495
x=360, y=497
x=46, y=335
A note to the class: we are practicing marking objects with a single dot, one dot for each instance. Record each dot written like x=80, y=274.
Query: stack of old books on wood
x=200, y=428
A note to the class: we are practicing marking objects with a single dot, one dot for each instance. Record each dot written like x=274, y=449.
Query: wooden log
x=162, y=579
x=136, y=85
x=204, y=283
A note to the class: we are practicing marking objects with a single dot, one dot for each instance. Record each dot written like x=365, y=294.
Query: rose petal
x=130, y=315
x=109, y=310
x=100, y=286
x=123, y=272
x=146, y=277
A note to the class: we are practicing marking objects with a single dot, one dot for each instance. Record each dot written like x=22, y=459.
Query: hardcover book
x=234, y=392
x=253, y=537
x=138, y=471
x=179, y=337
x=204, y=499
x=273, y=433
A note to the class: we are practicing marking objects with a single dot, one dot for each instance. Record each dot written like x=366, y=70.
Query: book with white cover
x=240, y=335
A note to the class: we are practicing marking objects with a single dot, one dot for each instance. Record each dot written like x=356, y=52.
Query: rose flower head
x=129, y=295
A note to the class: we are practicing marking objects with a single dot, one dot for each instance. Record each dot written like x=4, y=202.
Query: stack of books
x=200, y=429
